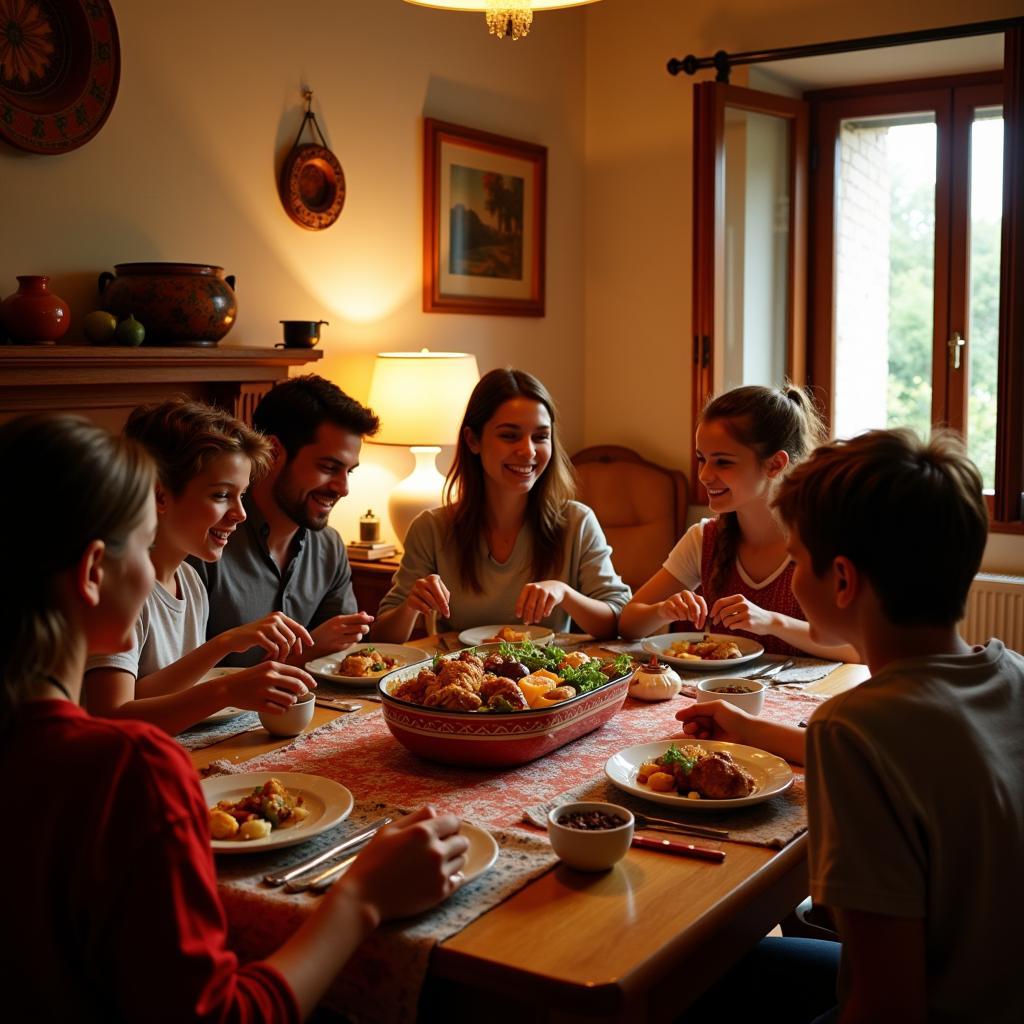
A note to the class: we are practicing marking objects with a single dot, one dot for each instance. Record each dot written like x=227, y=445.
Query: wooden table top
x=639, y=941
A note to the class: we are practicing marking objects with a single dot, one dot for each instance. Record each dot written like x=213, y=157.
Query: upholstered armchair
x=640, y=505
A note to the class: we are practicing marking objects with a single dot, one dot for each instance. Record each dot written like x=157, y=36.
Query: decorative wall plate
x=60, y=65
x=312, y=185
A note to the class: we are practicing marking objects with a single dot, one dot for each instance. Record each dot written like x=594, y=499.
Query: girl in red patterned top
x=731, y=574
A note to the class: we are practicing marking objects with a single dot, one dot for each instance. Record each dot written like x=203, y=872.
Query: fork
x=665, y=825
x=771, y=671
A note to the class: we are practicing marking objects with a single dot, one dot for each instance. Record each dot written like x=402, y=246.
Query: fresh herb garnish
x=674, y=756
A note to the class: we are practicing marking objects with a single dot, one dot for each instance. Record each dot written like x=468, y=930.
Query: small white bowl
x=590, y=849
x=292, y=720
x=750, y=700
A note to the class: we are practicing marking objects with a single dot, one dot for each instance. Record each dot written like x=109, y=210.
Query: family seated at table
x=881, y=537
x=112, y=911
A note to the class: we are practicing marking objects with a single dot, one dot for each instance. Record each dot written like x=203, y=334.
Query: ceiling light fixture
x=505, y=18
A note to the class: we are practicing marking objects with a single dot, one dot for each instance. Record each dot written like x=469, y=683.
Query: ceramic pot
x=33, y=314
x=177, y=303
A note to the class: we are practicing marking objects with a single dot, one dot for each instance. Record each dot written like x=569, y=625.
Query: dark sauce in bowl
x=591, y=821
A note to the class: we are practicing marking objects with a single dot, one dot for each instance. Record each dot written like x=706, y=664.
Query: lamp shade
x=420, y=397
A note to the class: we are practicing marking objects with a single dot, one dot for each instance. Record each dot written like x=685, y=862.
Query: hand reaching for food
x=276, y=633
x=737, y=612
x=685, y=606
x=715, y=720
x=429, y=595
x=537, y=601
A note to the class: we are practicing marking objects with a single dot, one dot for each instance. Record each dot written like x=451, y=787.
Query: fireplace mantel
x=106, y=383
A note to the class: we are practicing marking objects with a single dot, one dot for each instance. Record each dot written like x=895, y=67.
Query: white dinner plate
x=224, y=713
x=658, y=645
x=485, y=634
x=482, y=852
x=328, y=803
x=328, y=667
x=771, y=774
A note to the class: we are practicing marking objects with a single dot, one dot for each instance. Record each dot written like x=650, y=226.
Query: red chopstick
x=681, y=849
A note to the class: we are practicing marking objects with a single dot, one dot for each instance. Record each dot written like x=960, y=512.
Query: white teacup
x=292, y=720
x=749, y=695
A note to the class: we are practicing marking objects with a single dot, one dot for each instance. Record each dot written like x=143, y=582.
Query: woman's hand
x=537, y=601
x=685, y=605
x=276, y=633
x=269, y=686
x=410, y=865
x=736, y=612
x=428, y=595
x=715, y=720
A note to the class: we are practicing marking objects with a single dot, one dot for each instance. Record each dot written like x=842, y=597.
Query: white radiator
x=995, y=607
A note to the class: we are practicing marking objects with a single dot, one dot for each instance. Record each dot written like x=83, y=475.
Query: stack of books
x=370, y=551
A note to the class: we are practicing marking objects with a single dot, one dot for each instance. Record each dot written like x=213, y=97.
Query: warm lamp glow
x=420, y=398
x=505, y=18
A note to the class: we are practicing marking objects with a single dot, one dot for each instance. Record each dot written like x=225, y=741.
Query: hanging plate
x=312, y=186
x=60, y=64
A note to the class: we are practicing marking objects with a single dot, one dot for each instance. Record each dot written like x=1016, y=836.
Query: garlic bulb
x=654, y=681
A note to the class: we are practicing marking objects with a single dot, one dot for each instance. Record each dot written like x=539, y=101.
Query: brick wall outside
x=862, y=281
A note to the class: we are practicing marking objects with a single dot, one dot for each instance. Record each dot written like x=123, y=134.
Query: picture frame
x=484, y=222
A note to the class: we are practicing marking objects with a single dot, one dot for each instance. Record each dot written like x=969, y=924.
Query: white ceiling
x=893, y=63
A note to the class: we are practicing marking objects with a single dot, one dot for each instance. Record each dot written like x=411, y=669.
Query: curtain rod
x=723, y=62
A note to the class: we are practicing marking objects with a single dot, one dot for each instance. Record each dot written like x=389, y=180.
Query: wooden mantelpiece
x=106, y=383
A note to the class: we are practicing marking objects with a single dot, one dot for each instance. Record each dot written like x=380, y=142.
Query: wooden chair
x=640, y=505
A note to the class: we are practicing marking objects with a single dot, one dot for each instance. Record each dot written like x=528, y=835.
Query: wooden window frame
x=954, y=114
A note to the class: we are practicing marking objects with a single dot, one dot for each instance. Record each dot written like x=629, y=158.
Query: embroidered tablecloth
x=382, y=982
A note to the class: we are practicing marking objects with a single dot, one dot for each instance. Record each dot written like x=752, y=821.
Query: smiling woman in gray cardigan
x=509, y=544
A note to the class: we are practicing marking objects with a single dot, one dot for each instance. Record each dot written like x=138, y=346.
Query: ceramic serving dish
x=494, y=739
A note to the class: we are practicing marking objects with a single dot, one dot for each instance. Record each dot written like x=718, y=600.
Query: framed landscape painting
x=483, y=222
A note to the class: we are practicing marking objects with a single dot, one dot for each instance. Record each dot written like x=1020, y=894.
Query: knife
x=681, y=849
x=327, y=877
x=280, y=877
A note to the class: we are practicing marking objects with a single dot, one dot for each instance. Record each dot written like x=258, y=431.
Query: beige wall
x=185, y=169
x=639, y=193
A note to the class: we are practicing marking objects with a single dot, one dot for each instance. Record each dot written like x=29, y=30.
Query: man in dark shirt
x=285, y=557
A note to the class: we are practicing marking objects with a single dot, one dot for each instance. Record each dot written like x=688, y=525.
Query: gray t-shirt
x=247, y=584
x=586, y=567
x=167, y=628
x=915, y=801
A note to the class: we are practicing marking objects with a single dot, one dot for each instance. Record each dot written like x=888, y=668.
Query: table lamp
x=420, y=398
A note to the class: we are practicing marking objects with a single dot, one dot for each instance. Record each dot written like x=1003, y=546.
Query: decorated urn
x=177, y=303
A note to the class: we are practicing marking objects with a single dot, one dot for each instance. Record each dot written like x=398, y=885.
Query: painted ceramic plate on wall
x=60, y=65
x=312, y=186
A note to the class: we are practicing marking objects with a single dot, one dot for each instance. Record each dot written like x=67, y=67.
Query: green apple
x=130, y=331
x=99, y=326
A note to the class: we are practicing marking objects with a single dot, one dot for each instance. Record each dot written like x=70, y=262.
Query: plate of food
x=505, y=635
x=703, y=652
x=225, y=713
x=258, y=811
x=704, y=775
x=361, y=664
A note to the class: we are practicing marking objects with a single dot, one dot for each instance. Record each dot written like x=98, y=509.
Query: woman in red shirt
x=115, y=913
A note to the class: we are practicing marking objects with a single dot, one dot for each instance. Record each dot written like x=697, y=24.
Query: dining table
x=639, y=942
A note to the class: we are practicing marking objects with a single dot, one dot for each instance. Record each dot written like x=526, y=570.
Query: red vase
x=33, y=314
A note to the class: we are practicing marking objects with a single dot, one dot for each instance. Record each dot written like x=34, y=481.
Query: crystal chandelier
x=506, y=19
x=509, y=18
